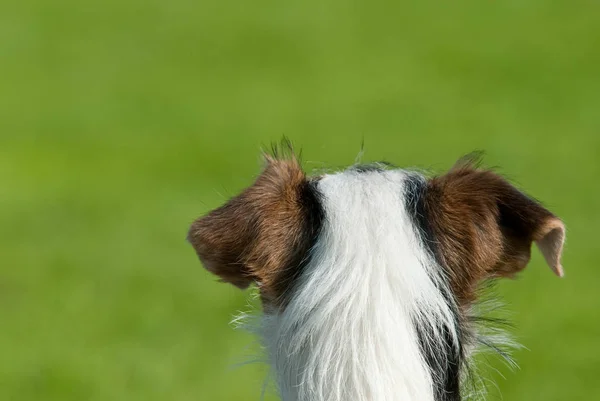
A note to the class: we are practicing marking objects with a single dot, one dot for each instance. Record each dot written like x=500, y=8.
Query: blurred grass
x=122, y=121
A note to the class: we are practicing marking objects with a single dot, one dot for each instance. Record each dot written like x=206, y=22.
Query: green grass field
x=123, y=120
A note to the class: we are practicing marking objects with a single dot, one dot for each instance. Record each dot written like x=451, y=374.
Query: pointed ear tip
x=555, y=223
x=552, y=231
x=559, y=271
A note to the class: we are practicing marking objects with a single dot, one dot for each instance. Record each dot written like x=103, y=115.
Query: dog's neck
x=369, y=311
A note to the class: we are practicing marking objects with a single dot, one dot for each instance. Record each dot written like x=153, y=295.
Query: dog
x=369, y=277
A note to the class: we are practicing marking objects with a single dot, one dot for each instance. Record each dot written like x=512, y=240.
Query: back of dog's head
x=374, y=254
x=477, y=224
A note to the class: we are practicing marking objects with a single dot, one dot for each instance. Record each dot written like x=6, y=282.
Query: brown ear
x=485, y=227
x=257, y=235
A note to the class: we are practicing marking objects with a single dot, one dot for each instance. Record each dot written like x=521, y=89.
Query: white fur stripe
x=349, y=331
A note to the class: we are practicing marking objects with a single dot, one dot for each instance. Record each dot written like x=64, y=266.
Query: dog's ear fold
x=486, y=227
x=254, y=235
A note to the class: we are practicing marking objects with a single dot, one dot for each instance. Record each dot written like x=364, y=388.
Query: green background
x=123, y=120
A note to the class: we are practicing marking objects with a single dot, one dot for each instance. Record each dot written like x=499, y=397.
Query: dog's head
x=367, y=276
x=477, y=224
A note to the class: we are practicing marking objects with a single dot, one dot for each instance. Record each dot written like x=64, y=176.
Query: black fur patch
x=312, y=208
x=444, y=364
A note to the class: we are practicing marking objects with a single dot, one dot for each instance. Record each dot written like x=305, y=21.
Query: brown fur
x=261, y=235
x=484, y=228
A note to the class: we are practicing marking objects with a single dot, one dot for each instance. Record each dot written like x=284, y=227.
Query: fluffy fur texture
x=351, y=329
x=368, y=277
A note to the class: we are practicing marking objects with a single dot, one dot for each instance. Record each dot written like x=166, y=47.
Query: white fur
x=348, y=333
